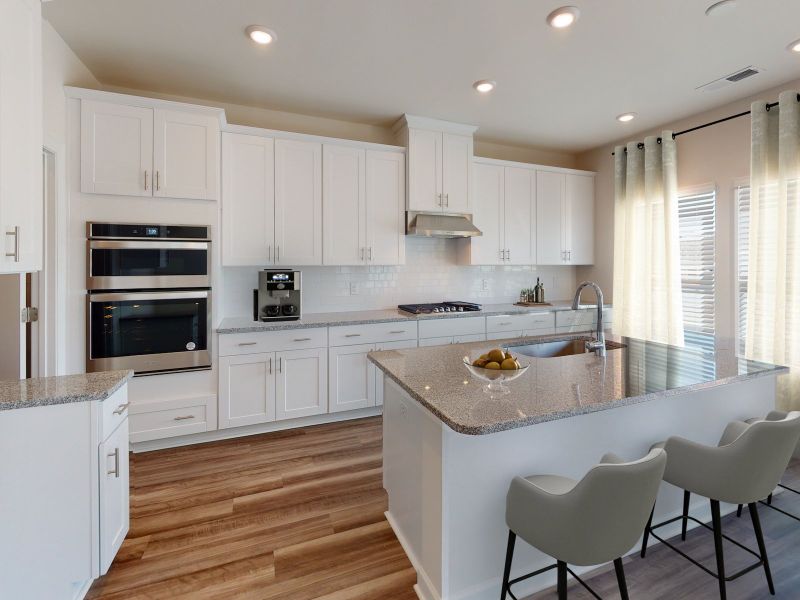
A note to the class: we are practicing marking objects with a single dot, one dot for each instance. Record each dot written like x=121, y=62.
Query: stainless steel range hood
x=443, y=226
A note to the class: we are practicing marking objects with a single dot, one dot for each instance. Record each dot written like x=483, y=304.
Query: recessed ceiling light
x=721, y=7
x=625, y=117
x=794, y=46
x=484, y=86
x=260, y=35
x=563, y=17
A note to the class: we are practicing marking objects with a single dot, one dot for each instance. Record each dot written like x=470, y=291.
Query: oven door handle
x=146, y=245
x=122, y=296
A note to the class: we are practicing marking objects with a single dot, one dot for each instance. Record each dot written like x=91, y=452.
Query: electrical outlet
x=485, y=285
x=354, y=288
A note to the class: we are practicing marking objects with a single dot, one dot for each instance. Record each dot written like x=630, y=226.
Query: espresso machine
x=278, y=296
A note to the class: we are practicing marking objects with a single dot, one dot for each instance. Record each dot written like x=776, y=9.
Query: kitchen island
x=451, y=449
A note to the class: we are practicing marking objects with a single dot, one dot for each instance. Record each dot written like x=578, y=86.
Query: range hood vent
x=443, y=226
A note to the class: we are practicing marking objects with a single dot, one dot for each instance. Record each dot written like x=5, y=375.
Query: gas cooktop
x=440, y=307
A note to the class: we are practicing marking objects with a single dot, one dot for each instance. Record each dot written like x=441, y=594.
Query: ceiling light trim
x=484, y=86
x=258, y=34
x=626, y=117
x=563, y=17
x=794, y=47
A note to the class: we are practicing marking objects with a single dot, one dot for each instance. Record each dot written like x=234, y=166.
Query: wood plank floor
x=665, y=574
x=293, y=515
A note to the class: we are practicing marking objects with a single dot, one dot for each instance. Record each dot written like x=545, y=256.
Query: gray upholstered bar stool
x=588, y=522
x=742, y=469
x=774, y=415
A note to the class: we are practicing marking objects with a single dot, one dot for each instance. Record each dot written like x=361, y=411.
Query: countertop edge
x=555, y=416
x=59, y=399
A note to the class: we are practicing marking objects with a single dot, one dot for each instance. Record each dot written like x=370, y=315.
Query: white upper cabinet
x=505, y=212
x=489, y=216
x=550, y=244
x=136, y=150
x=580, y=219
x=298, y=203
x=439, y=164
x=520, y=216
x=21, y=223
x=116, y=149
x=565, y=218
x=363, y=195
x=385, y=204
x=248, y=199
x=344, y=197
x=185, y=155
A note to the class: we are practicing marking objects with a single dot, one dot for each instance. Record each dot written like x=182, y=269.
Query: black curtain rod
x=770, y=106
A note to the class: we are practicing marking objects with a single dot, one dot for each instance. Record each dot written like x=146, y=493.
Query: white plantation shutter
x=697, y=226
x=742, y=263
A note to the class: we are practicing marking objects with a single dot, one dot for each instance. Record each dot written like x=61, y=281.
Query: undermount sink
x=558, y=348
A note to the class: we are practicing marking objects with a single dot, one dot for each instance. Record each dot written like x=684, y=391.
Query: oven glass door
x=153, y=330
x=143, y=264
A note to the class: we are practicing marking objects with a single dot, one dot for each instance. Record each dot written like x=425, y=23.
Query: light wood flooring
x=292, y=515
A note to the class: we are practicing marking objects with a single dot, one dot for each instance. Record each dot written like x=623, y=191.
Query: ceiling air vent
x=736, y=77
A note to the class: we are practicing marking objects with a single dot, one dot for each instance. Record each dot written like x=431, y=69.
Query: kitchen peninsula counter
x=63, y=389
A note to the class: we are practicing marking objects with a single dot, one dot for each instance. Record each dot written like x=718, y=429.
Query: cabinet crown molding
x=415, y=122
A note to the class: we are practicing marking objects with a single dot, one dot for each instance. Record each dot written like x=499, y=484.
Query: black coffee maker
x=278, y=297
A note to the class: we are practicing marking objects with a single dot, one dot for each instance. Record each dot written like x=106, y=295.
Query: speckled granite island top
x=556, y=387
x=363, y=317
x=46, y=391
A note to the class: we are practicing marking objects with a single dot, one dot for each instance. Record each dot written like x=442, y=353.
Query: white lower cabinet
x=301, y=387
x=114, y=493
x=352, y=377
x=246, y=389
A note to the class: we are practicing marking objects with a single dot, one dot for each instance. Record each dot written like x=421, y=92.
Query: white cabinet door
x=344, y=209
x=352, y=378
x=579, y=219
x=114, y=494
x=456, y=172
x=116, y=149
x=520, y=216
x=550, y=217
x=21, y=222
x=298, y=203
x=385, y=207
x=424, y=170
x=248, y=199
x=246, y=389
x=185, y=155
x=488, y=216
x=302, y=384
x=379, y=376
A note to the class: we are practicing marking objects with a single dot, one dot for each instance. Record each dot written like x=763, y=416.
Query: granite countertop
x=66, y=389
x=362, y=317
x=556, y=388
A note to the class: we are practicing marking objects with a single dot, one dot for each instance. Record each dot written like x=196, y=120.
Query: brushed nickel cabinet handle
x=145, y=180
x=115, y=455
x=277, y=253
x=270, y=365
x=280, y=364
x=398, y=331
x=15, y=254
x=269, y=252
x=121, y=408
x=362, y=253
x=158, y=186
x=247, y=343
x=352, y=335
x=183, y=417
x=504, y=323
x=302, y=339
x=370, y=252
x=447, y=199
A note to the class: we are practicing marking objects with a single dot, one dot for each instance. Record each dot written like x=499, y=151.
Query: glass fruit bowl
x=494, y=378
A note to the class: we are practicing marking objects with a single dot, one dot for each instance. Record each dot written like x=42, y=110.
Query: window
x=697, y=226
x=742, y=253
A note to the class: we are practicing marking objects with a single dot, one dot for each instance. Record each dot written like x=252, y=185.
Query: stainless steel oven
x=125, y=256
x=149, y=331
x=148, y=305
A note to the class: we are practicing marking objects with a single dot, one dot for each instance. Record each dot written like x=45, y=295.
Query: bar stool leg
x=739, y=511
x=762, y=548
x=717, y=522
x=647, y=531
x=623, y=587
x=562, y=580
x=686, y=495
x=512, y=538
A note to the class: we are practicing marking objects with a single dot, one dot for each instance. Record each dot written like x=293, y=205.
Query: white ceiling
x=372, y=60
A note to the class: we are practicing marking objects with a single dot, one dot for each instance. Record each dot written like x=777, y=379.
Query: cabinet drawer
x=435, y=341
x=568, y=318
x=501, y=335
x=159, y=424
x=429, y=328
x=501, y=323
x=540, y=321
x=272, y=341
x=115, y=411
x=348, y=335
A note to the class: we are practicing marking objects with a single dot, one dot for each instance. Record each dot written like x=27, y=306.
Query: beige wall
x=718, y=155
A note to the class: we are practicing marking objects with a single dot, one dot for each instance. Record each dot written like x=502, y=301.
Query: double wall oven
x=148, y=297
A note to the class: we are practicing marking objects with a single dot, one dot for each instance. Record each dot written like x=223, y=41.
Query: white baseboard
x=234, y=432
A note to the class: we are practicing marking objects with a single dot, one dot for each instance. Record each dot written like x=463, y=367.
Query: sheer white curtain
x=647, y=274
x=773, y=283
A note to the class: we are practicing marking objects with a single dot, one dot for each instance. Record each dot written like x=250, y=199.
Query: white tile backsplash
x=431, y=274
